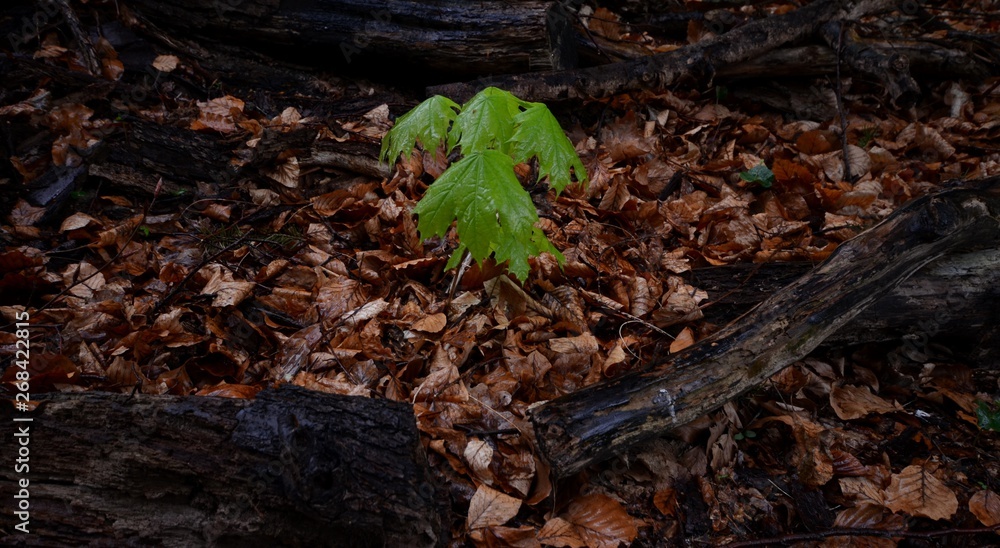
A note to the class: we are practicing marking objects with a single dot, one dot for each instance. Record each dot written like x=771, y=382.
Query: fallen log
x=605, y=419
x=411, y=37
x=289, y=468
x=947, y=298
x=697, y=62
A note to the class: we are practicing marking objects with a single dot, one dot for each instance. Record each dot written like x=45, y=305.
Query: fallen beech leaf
x=584, y=344
x=226, y=390
x=218, y=114
x=490, y=507
x=559, y=532
x=25, y=213
x=77, y=220
x=855, y=402
x=479, y=454
x=166, y=63
x=433, y=323
x=665, y=500
x=112, y=69
x=786, y=171
x=286, y=173
x=623, y=139
x=986, y=506
x=227, y=291
x=519, y=537
x=601, y=521
x=605, y=23
x=862, y=516
x=684, y=339
x=816, y=141
x=915, y=491
x=815, y=466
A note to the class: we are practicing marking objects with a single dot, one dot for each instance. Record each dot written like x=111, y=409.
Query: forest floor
x=294, y=274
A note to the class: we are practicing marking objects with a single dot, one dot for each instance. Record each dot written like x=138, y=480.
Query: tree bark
x=698, y=61
x=950, y=298
x=290, y=468
x=602, y=420
x=449, y=36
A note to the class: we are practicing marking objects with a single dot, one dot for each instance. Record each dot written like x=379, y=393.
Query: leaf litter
x=337, y=293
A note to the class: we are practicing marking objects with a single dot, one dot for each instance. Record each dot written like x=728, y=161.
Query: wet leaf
x=490, y=507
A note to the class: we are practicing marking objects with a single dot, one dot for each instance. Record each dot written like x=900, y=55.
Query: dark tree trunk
x=290, y=468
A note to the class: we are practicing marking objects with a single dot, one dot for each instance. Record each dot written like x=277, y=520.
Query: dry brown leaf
x=985, y=505
x=25, y=214
x=855, y=402
x=226, y=390
x=510, y=298
x=786, y=171
x=665, y=500
x=294, y=352
x=584, y=344
x=684, y=339
x=605, y=23
x=83, y=279
x=559, y=532
x=478, y=454
x=219, y=114
x=78, y=220
x=566, y=304
x=815, y=467
x=285, y=173
x=862, y=516
x=516, y=537
x=639, y=296
x=432, y=323
x=816, y=141
x=616, y=197
x=339, y=384
x=600, y=521
x=917, y=492
x=166, y=63
x=339, y=295
x=863, y=490
x=490, y=507
x=624, y=140
x=227, y=291
x=112, y=69
x=846, y=464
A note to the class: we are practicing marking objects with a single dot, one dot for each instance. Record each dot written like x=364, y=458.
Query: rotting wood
x=291, y=468
x=448, y=36
x=605, y=419
x=697, y=61
x=951, y=294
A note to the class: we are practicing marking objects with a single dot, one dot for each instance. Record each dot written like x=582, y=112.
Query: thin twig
x=840, y=104
x=173, y=292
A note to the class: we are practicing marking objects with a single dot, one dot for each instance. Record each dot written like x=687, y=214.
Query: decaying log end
x=606, y=419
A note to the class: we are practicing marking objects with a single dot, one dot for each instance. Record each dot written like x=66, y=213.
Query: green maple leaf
x=538, y=134
x=495, y=214
x=486, y=122
x=428, y=123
